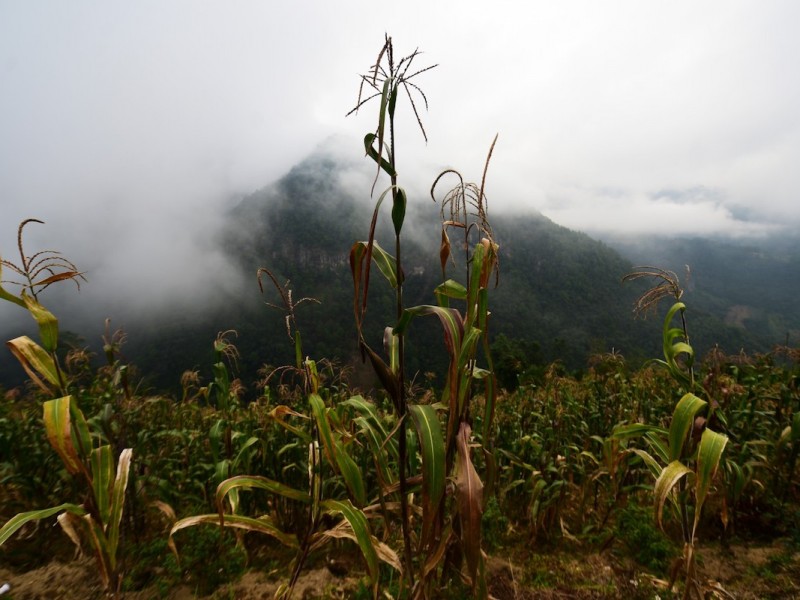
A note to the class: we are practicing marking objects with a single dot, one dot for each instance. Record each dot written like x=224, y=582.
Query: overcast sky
x=130, y=126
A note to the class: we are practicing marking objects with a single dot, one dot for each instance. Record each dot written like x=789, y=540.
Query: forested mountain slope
x=559, y=297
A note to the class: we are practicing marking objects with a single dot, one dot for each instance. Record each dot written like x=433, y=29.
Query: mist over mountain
x=748, y=284
x=559, y=294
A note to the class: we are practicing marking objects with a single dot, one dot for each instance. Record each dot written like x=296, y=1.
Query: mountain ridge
x=559, y=291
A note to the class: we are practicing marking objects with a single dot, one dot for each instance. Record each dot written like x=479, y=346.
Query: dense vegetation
x=418, y=476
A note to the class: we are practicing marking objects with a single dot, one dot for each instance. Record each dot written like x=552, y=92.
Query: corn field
x=417, y=485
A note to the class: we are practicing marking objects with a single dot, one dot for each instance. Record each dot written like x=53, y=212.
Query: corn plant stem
x=313, y=519
x=402, y=447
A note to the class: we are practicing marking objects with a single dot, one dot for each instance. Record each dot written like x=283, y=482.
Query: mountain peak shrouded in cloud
x=147, y=117
x=301, y=227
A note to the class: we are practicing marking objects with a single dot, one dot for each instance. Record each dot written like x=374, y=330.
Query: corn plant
x=685, y=458
x=450, y=527
x=103, y=476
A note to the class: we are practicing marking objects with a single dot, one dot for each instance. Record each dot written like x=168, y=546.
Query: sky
x=131, y=127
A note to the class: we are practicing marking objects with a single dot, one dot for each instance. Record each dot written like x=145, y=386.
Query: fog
x=131, y=128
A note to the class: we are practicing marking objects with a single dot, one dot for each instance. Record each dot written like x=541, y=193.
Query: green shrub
x=636, y=529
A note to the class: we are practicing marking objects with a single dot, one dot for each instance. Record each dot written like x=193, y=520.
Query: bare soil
x=743, y=571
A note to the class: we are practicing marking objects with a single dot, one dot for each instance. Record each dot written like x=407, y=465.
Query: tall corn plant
x=685, y=458
x=104, y=476
x=450, y=527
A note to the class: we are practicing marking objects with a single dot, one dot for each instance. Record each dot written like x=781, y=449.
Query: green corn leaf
x=483, y=309
x=468, y=345
x=222, y=469
x=392, y=101
x=38, y=364
x=478, y=256
x=682, y=423
x=215, y=438
x=399, y=210
x=257, y=482
x=671, y=474
x=370, y=423
x=376, y=443
x=382, y=163
x=243, y=451
x=360, y=253
x=57, y=423
x=351, y=475
x=337, y=453
x=102, y=462
x=4, y=295
x=312, y=375
x=118, y=504
x=81, y=437
x=386, y=92
x=651, y=462
x=635, y=430
x=450, y=289
x=369, y=411
x=672, y=349
x=658, y=443
x=432, y=448
x=386, y=264
x=326, y=435
x=47, y=322
x=709, y=453
x=450, y=318
x=21, y=519
x=358, y=522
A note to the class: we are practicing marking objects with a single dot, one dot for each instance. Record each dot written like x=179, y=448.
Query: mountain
x=559, y=296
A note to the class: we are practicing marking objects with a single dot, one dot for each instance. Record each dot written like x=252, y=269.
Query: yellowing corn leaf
x=38, y=364
x=709, y=453
x=263, y=524
x=671, y=474
x=57, y=424
x=345, y=530
x=117, y=504
x=19, y=520
x=257, y=482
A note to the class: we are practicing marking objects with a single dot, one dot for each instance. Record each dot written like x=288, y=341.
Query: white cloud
x=129, y=127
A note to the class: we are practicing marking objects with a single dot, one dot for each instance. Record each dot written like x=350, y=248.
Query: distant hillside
x=751, y=286
x=559, y=291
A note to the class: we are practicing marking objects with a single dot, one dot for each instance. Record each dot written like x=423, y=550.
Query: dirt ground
x=741, y=571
